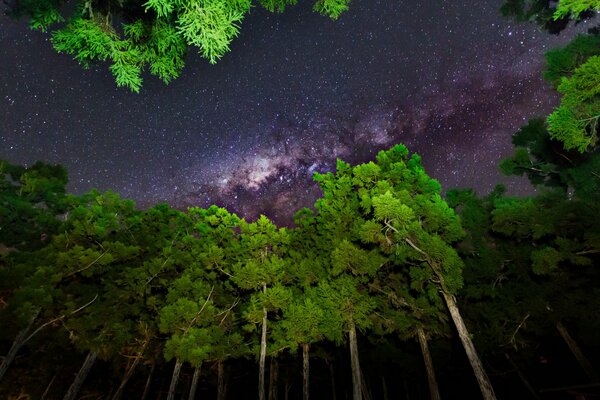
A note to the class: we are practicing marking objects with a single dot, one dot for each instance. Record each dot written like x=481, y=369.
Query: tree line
x=382, y=256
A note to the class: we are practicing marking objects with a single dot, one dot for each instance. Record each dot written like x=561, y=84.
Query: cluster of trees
x=381, y=260
x=154, y=35
x=380, y=264
x=205, y=285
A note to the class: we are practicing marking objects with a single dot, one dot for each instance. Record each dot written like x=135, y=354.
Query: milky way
x=450, y=80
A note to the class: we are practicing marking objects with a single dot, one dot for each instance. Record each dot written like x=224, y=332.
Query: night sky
x=451, y=80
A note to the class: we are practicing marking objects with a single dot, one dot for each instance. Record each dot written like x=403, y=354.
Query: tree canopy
x=154, y=36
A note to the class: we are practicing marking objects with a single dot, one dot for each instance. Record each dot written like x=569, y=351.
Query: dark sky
x=452, y=80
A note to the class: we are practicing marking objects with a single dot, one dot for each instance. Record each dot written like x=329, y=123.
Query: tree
x=260, y=270
x=561, y=62
x=529, y=267
x=61, y=282
x=218, y=231
x=575, y=121
x=399, y=209
x=305, y=320
x=574, y=8
x=200, y=314
x=154, y=35
x=31, y=201
x=549, y=166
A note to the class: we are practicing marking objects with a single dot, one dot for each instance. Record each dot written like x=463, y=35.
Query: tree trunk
x=192, y=395
x=273, y=378
x=332, y=374
x=406, y=388
x=220, y=380
x=433, y=386
x=263, y=353
x=576, y=350
x=354, y=361
x=384, y=388
x=45, y=394
x=16, y=346
x=128, y=374
x=305, y=370
x=288, y=386
x=81, y=375
x=484, y=382
x=522, y=377
x=148, y=381
x=366, y=392
x=174, y=379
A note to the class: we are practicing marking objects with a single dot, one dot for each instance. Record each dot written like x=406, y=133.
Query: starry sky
x=451, y=80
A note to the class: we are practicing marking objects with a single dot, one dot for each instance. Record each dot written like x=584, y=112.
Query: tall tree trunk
x=128, y=374
x=273, y=378
x=305, y=371
x=288, y=386
x=16, y=346
x=522, y=377
x=192, y=395
x=45, y=394
x=220, y=380
x=332, y=375
x=406, y=388
x=159, y=393
x=366, y=392
x=433, y=386
x=354, y=361
x=81, y=375
x=484, y=382
x=576, y=350
x=174, y=379
x=384, y=388
x=263, y=353
x=148, y=382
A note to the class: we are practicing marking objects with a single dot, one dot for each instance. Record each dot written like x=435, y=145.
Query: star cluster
x=452, y=81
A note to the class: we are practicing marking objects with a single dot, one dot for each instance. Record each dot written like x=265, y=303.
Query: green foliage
x=86, y=40
x=544, y=161
x=277, y=5
x=540, y=12
x=536, y=155
x=374, y=255
x=31, y=200
x=561, y=62
x=155, y=34
x=575, y=121
x=528, y=262
x=331, y=8
x=523, y=10
x=164, y=51
x=41, y=13
x=210, y=25
x=585, y=178
x=391, y=235
x=574, y=8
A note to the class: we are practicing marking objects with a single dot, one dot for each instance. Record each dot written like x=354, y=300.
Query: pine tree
x=260, y=270
x=575, y=121
x=394, y=205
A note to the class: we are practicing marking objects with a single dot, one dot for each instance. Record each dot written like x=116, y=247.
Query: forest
x=388, y=287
